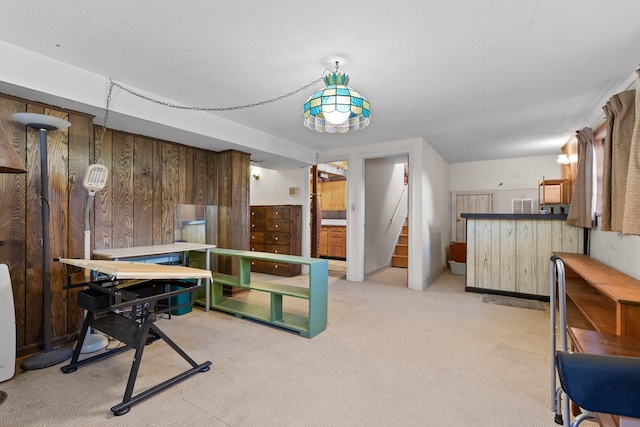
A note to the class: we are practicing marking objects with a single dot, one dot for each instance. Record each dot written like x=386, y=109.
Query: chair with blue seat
x=600, y=383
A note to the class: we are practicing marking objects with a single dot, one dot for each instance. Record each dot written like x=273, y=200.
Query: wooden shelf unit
x=601, y=298
x=316, y=293
x=553, y=193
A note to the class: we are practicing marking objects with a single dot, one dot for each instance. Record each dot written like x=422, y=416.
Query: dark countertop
x=513, y=216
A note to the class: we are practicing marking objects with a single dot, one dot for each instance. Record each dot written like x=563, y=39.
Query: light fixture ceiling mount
x=338, y=107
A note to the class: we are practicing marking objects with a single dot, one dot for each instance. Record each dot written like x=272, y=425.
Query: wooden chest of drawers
x=278, y=230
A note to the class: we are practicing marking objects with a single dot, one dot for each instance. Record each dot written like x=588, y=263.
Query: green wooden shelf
x=316, y=293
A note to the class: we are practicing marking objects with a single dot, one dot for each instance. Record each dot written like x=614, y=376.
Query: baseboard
x=433, y=277
x=506, y=293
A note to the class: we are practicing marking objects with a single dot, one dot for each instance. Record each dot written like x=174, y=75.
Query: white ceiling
x=478, y=80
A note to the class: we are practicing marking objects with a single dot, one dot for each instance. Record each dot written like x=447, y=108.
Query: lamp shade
x=41, y=121
x=337, y=108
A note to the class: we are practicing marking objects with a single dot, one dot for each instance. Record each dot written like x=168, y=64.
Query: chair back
x=601, y=383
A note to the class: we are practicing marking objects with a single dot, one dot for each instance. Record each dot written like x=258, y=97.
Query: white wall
x=436, y=224
x=384, y=185
x=272, y=188
x=508, y=178
x=621, y=252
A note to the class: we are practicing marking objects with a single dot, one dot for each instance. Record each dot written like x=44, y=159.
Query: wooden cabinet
x=333, y=241
x=333, y=195
x=277, y=230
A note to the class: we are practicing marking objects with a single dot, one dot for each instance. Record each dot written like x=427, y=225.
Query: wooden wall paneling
x=544, y=240
x=186, y=171
x=200, y=180
x=471, y=251
x=233, y=207
x=143, y=190
x=211, y=201
x=33, y=284
x=507, y=254
x=13, y=208
x=122, y=180
x=525, y=256
x=495, y=254
x=157, y=193
x=58, y=164
x=211, y=197
x=224, y=179
x=483, y=246
x=80, y=144
x=170, y=188
x=102, y=235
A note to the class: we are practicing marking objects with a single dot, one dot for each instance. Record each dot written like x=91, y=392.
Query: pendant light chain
x=113, y=84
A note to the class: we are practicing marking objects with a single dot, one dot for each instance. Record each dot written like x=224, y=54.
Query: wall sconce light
x=256, y=175
x=255, y=172
x=563, y=159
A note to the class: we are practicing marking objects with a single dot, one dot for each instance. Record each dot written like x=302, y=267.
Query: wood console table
x=152, y=252
x=316, y=293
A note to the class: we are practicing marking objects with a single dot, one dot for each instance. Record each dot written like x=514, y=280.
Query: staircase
x=400, y=258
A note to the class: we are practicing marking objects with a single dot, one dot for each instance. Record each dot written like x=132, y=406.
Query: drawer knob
x=275, y=266
x=276, y=251
x=277, y=225
x=276, y=238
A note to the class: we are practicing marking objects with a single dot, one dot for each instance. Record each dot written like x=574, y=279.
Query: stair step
x=402, y=250
x=399, y=261
x=403, y=239
x=405, y=229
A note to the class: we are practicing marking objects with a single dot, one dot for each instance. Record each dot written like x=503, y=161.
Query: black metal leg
x=72, y=366
x=148, y=329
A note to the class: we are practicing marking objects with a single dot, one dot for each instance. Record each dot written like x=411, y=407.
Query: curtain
x=581, y=207
x=631, y=222
x=620, y=112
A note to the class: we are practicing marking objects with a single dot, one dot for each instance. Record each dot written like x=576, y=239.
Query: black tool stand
x=131, y=322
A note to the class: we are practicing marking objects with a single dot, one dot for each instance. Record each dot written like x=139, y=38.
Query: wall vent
x=521, y=206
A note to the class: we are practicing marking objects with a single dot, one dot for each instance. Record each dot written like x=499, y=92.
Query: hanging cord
x=113, y=84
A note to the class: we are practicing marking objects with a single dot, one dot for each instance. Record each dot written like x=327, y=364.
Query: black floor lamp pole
x=49, y=357
x=46, y=250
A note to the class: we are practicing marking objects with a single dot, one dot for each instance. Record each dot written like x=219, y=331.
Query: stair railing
x=395, y=212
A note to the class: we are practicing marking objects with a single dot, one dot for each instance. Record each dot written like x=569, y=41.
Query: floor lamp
x=49, y=357
x=95, y=179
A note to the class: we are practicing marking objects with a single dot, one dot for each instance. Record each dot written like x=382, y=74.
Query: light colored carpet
x=390, y=357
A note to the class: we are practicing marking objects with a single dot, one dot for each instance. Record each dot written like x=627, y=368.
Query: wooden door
x=470, y=203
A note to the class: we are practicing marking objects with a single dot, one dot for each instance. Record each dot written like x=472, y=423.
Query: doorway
x=329, y=215
x=386, y=208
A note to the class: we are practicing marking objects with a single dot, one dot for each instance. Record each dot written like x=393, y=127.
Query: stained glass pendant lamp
x=337, y=108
